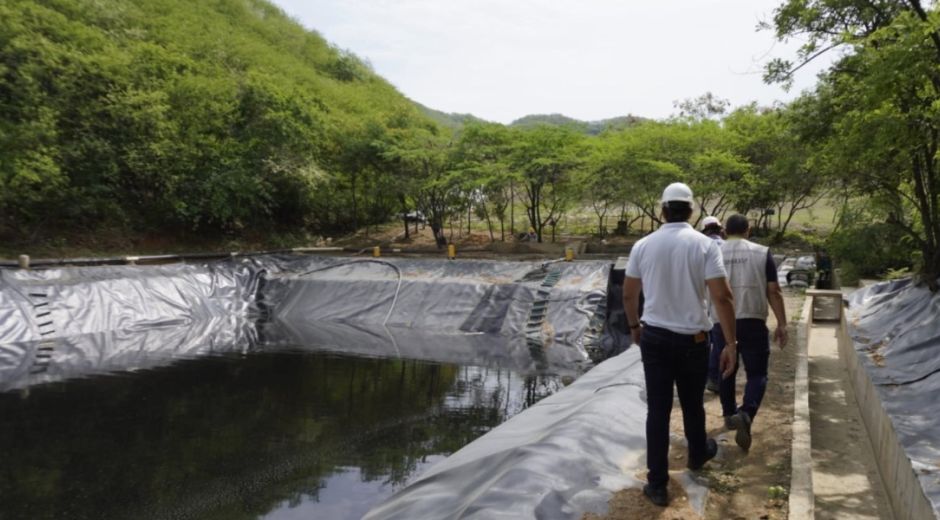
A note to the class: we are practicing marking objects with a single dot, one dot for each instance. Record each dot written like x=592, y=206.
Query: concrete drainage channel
x=889, y=339
x=886, y=343
x=801, y=465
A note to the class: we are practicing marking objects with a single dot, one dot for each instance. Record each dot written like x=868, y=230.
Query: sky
x=587, y=59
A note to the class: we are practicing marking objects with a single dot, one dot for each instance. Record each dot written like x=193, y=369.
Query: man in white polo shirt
x=672, y=267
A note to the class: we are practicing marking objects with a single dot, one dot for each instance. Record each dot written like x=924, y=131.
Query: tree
x=425, y=155
x=600, y=181
x=706, y=106
x=545, y=157
x=482, y=155
x=781, y=173
x=879, y=104
x=183, y=117
x=649, y=157
x=717, y=179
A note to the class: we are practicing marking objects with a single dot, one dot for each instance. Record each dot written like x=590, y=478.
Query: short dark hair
x=737, y=224
x=677, y=211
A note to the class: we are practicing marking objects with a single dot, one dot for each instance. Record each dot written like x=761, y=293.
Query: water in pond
x=290, y=434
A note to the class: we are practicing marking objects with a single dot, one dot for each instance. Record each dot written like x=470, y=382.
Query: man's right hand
x=729, y=356
x=636, y=333
x=781, y=335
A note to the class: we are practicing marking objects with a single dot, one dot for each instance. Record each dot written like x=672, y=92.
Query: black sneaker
x=712, y=386
x=711, y=449
x=743, y=436
x=657, y=495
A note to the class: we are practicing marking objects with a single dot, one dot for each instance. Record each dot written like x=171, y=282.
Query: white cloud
x=589, y=59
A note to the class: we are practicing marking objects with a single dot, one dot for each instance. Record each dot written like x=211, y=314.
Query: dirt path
x=739, y=484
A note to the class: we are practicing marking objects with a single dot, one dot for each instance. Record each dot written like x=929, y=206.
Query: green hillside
x=179, y=116
x=180, y=121
x=587, y=127
x=449, y=120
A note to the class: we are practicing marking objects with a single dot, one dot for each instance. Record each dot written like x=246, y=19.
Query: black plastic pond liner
x=896, y=324
x=69, y=322
x=559, y=459
x=895, y=332
x=564, y=456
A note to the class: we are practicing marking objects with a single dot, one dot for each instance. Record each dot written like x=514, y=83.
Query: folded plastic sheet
x=70, y=322
x=551, y=307
x=564, y=456
x=896, y=335
x=57, y=303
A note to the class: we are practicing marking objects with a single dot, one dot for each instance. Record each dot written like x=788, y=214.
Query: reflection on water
x=296, y=434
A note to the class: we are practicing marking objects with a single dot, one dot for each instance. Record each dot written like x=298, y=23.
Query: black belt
x=697, y=337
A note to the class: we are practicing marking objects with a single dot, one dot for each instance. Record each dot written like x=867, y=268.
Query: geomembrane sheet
x=895, y=331
x=70, y=322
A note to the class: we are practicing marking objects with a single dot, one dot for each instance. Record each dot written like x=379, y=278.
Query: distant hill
x=588, y=127
x=449, y=120
x=456, y=121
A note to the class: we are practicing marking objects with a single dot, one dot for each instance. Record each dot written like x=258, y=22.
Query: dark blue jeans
x=754, y=353
x=717, y=341
x=672, y=359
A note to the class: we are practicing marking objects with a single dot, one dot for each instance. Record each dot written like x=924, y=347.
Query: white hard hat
x=710, y=221
x=677, y=192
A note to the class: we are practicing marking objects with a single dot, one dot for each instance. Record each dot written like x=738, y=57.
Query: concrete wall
x=905, y=493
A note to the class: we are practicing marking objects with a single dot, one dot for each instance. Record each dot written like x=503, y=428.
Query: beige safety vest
x=746, y=263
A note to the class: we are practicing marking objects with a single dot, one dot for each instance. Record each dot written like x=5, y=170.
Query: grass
x=820, y=217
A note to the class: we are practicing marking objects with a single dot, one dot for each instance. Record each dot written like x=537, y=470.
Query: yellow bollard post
x=376, y=252
x=569, y=254
x=451, y=251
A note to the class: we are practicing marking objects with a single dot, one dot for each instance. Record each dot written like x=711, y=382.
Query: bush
x=869, y=250
x=896, y=274
x=797, y=240
x=847, y=274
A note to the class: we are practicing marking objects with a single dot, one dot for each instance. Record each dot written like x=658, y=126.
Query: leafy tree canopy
x=178, y=115
x=874, y=118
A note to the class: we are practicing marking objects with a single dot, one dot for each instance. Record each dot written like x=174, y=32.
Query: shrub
x=869, y=250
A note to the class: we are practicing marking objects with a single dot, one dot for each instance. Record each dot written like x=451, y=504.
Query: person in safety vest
x=752, y=274
x=673, y=266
